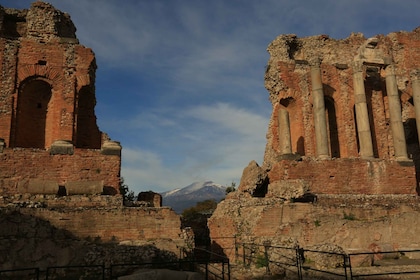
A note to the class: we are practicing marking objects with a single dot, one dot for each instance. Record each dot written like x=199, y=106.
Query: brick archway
x=32, y=114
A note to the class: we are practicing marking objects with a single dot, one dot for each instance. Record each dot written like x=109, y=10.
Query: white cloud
x=213, y=142
x=238, y=120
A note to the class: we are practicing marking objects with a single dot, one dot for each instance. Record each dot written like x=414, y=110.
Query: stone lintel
x=301, y=61
x=341, y=66
x=291, y=156
x=111, y=148
x=62, y=147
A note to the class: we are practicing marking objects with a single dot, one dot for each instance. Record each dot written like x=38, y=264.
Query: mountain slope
x=180, y=199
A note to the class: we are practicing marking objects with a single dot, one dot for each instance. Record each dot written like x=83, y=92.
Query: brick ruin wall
x=37, y=171
x=43, y=237
x=59, y=174
x=289, y=82
x=356, y=223
x=362, y=167
x=48, y=125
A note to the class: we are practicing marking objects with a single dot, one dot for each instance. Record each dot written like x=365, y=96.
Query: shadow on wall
x=413, y=148
x=27, y=241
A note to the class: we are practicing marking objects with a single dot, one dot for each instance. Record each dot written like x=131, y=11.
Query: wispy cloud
x=213, y=142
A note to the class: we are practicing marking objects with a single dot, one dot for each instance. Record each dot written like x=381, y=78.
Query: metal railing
x=213, y=266
x=23, y=273
x=88, y=272
x=297, y=261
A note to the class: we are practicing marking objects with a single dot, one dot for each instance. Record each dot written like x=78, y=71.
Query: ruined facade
x=59, y=174
x=49, y=139
x=343, y=137
x=344, y=105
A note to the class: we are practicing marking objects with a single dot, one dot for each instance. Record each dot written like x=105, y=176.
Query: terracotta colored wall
x=124, y=223
x=47, y=94
x=288, y=78
x=349, y=176
x=17, y=166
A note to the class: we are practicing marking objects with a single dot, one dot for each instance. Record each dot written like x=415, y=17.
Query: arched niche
x=87, y=132
x=332, y=127
x=33, y=122
x=295, y=122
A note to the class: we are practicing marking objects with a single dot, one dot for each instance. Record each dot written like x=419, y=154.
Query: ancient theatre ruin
x=342, y=139
x=59, y=174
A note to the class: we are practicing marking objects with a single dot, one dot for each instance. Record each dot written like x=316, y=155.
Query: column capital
x=390, y=70
x=357, y=66
x=314, y=62
x=415, y=74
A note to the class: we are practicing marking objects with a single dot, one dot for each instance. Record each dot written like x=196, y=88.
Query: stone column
x=362, y=115
x=284, y=132
x=415, y=81
x=320, y=122
x=397, y=127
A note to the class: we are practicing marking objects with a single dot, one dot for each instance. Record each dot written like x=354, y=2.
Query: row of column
x=362, y=115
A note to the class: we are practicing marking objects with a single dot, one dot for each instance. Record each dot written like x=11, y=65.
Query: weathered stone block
x=36, y=186
x=62, y=147
x=253, y=180
x=153, y=199
x=288, y=189
x=84, y=187
x=111, y=148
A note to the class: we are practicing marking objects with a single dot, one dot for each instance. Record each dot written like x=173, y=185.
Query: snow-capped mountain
x=180, y=199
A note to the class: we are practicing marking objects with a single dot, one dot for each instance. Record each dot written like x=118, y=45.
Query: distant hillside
x=180, y=199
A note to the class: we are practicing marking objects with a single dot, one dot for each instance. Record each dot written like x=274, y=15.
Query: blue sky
x=180, y=83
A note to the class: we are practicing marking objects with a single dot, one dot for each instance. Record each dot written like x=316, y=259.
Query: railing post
x=223, y=270
x=299, y=260
x=350, y=268
x=267, y=244
x=243, y=253
x=103, y=271
x=228, y=263
x=236, y=248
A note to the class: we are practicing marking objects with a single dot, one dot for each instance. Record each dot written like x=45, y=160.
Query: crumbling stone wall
x=353, y=222
x=301, y=68
x=48, y=127
x=20, y=168
x=40, y=237
x=341, y=164
x=59, y=174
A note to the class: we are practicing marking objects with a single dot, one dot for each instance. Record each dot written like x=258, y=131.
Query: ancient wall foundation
x=33, y=236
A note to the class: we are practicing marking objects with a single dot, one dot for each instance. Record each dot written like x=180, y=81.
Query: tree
x=196, y=218
x=127, y=194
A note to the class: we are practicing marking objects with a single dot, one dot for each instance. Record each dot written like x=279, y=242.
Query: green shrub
x=261, y=261
x=349, y=216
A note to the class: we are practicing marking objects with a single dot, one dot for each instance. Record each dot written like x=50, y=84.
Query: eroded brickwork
x=341, y=164
x=48, y=126
x=59, y=174
x=291, y=87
